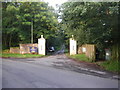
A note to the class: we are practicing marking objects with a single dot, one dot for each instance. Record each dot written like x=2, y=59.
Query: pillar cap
x=41, y=36
x=72, y=36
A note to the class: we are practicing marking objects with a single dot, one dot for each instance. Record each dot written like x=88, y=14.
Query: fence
x=89, y=50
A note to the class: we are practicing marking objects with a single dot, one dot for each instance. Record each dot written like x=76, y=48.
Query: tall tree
x=91, y=22
x=18, y=17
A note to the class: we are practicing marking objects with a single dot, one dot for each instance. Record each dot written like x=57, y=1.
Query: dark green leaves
x=17, y=18
x=90, y=22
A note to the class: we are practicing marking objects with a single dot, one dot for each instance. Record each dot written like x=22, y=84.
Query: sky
x=54, y=2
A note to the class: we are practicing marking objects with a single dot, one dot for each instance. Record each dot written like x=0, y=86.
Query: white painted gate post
x=41, y=45
x=73, y=46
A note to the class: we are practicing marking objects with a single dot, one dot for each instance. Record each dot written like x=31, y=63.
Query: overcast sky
x=54, y=2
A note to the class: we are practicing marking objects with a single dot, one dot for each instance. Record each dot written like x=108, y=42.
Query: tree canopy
x=17, y=18
x=90, y=22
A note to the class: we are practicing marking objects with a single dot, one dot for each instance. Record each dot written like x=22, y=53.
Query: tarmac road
x=45, y=73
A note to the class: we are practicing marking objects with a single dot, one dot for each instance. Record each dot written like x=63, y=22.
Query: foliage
x=18, y=18
x=90, y=22
x=111, y=65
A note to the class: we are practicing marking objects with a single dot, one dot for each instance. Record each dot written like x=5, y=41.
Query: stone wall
x=14, y=50
x=25, y=48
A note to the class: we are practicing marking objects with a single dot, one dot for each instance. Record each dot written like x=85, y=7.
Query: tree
x=10, y=30
x=18, y=18
x=91, y=22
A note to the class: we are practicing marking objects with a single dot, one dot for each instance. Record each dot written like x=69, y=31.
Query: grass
x=79, y=57
x=110, y=65
x=15, y=55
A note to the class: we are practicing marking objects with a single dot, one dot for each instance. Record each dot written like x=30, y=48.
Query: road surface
x=45, y=73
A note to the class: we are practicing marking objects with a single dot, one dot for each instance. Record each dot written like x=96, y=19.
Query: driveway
x=56, y=71
x=63, y=62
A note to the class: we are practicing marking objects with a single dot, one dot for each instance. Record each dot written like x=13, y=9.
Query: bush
x=6, y=51
x=111, y=65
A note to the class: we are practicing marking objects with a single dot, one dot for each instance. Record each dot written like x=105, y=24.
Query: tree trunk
x=10, y=40
x=115, y=52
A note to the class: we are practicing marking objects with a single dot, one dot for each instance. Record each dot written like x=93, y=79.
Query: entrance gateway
x=42, y=45
x=73, y=46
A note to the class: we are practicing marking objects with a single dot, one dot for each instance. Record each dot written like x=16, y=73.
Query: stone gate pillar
x=41, y=45
x=73, y=46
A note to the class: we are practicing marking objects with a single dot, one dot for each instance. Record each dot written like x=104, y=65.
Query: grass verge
x=111, y=65
x=79, y=57
x=15, y=55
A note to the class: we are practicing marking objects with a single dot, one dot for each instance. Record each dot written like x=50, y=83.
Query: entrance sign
x=73, y=46
x=41, y=45
x=33, y=49
x=83, y=49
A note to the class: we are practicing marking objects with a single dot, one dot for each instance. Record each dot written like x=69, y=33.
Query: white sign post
x=41, y=45
x=73, y=46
